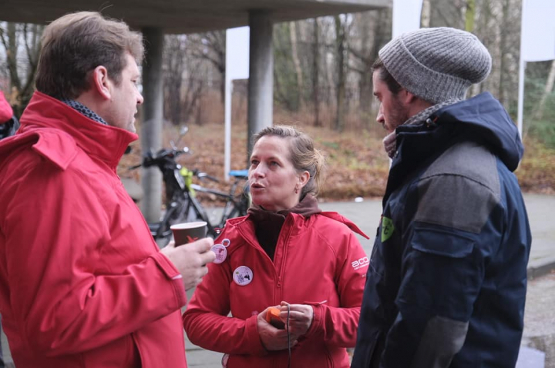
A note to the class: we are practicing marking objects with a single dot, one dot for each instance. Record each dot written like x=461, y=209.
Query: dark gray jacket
x=446, y=284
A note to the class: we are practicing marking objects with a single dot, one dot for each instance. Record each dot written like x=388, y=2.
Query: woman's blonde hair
x=303, y=155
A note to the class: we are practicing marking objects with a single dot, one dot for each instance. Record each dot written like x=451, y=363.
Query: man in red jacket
x=8, y=126
x=8, y=122
x=82, y=283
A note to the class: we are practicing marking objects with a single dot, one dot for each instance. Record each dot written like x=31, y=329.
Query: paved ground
x=539, y=319
x=538, y=346
x=539, y=333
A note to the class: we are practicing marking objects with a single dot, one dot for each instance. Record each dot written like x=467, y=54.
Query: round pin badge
x=225, y=359
x=242, y=275
x=221, y=253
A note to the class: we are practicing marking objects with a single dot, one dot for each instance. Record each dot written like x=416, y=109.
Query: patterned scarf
x=390, y=140
x=79, y=107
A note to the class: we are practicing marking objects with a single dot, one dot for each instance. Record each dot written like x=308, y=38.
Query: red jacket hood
x=340, y=218
x=329, y=214
x=6, y=111
x=44, y=113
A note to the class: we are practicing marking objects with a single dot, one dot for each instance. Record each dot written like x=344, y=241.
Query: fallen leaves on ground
x=357, y=166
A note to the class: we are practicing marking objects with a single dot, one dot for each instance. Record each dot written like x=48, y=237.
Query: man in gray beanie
x=446, y=284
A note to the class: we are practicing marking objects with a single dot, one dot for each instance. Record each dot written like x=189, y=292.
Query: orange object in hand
x=272, y=317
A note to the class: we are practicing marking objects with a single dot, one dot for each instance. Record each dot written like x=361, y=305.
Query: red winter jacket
x=6, y=111
x=82, y=283
x=318, y=261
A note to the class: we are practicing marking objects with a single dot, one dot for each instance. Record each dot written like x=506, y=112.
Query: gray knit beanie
x=436, y=64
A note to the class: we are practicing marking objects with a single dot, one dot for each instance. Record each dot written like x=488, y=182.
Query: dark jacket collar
x=480, y=119
x=268, y=224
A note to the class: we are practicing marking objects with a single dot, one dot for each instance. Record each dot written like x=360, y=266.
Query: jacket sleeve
x=338, y=325
x=55, y=228
x=206, y=320
x=443, y=266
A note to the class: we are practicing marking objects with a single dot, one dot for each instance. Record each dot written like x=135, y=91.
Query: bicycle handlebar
x=153, y=159
x=203, y=175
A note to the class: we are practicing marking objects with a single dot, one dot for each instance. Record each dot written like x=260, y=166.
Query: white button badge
x=220, y=251
x=242, y=275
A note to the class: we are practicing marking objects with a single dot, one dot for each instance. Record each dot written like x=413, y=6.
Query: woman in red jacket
x=288, y=254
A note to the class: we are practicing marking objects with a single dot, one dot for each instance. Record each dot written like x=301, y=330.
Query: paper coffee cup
x=188, y=232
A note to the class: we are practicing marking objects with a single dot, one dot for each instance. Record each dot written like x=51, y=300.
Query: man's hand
x=191, y=259
x=271, y=337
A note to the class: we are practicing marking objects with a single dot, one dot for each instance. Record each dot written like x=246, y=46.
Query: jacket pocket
x=441, y=243
x=443, y=274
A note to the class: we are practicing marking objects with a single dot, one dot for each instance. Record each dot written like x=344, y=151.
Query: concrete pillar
x=261, y=74
x=152, y=116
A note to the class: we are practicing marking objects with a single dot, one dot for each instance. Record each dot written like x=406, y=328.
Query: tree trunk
x=11, y=40
x=469, y=15
x=316, y=74
x=485, y=16
x=548, y=88
x=296, y=62
x=11, y=49
x=340, y=85
x=426, y=13
x=503, y=53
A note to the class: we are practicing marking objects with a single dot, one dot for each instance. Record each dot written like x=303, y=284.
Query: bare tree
x=341, y=33
x=316, y=72
x=469, y=15
x=448, y=13
x=426, y=12
x=538, y=113
x=371, y=31
x=210, y=46
x=184, y=79
x=174, y=60
x=296, y=61
x=22, y=46
x=288, y=76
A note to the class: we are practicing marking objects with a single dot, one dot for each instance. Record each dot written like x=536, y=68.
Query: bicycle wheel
x=198, y=213
x=236, y=207
x=178, y=209
x=245, y=202
x=173, y=215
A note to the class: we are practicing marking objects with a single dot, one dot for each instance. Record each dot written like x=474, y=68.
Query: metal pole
x=151, y=127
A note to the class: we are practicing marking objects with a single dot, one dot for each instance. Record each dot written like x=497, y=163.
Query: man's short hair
x=75, y=44
x=385, y=76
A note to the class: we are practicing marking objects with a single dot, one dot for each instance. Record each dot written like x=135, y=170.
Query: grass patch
x=356, y=162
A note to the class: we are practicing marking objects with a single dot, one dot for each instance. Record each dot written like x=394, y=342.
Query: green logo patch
x=387, y=228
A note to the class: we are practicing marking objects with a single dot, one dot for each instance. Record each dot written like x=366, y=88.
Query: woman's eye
x=274, y=163
x=254, y=162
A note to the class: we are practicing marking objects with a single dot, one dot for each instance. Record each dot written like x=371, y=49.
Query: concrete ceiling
x=182, y=16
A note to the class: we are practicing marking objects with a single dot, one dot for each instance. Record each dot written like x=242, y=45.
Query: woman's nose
x=258, y=171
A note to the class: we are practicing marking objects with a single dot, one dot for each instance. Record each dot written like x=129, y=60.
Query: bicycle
x=180, y=197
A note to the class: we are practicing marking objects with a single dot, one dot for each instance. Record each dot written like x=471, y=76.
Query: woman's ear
x=304, y=177
x=101, y=83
